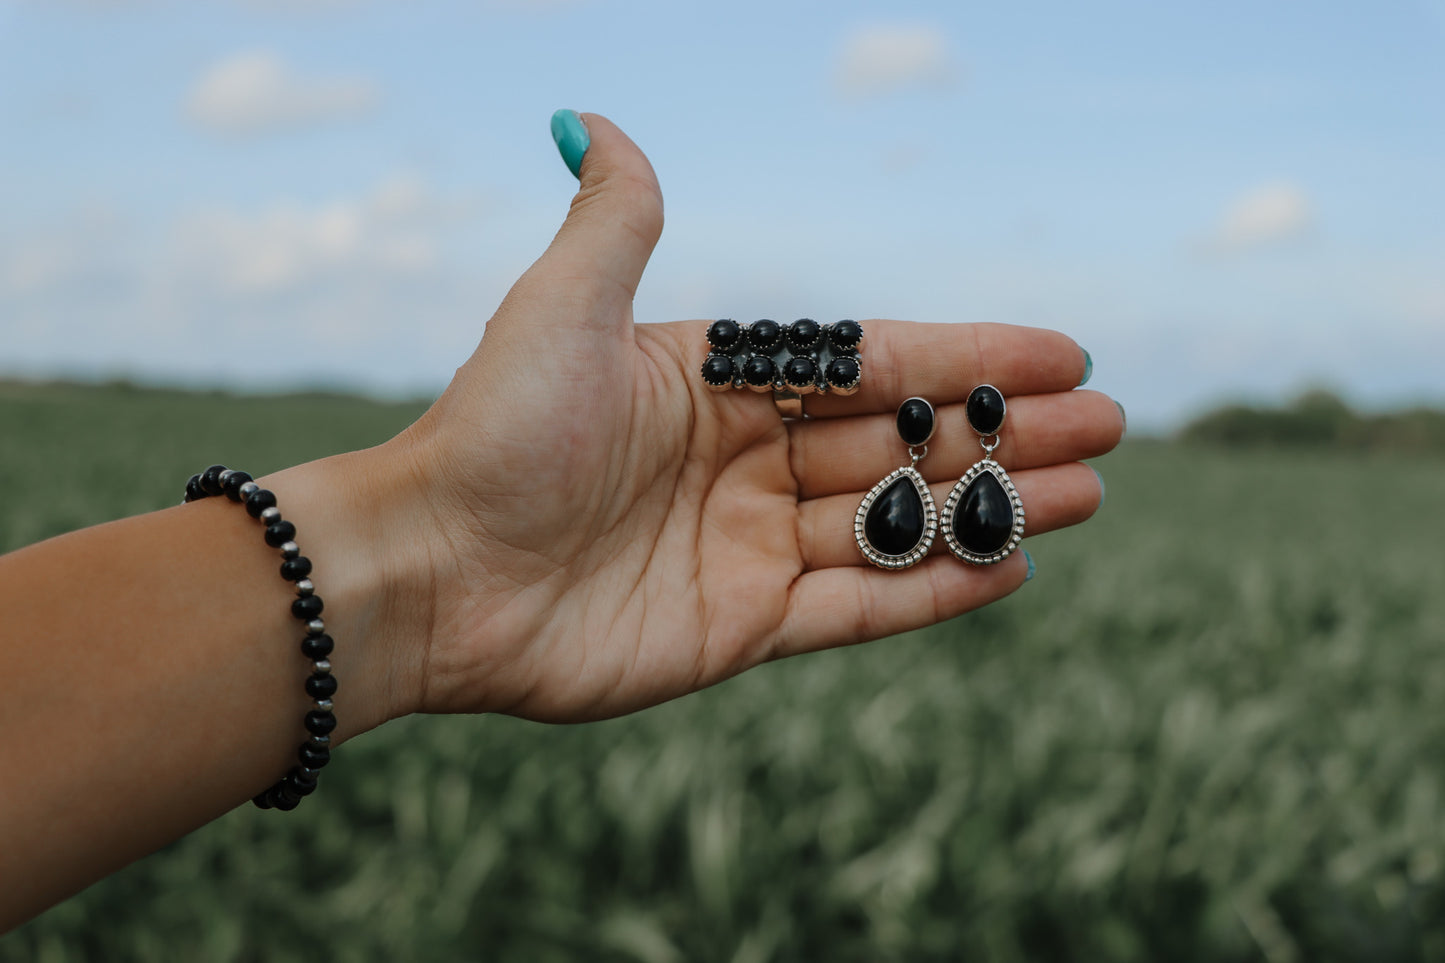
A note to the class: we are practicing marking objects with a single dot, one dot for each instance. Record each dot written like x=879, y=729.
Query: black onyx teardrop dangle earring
x=983, y=518
x=897, y=521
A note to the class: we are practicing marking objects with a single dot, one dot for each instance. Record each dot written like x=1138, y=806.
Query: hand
x=606, y=533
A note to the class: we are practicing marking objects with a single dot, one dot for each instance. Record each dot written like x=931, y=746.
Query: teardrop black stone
x=984, y=520
x=985, y=409
x=894, y=523
x=915, y=422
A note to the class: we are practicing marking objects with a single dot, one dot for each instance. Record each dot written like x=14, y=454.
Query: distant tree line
x=1320, y=419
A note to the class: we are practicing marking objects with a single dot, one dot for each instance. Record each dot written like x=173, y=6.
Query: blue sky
x=1218, y=200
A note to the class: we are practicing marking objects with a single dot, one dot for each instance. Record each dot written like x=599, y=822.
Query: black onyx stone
x=803, y=334
x=845, y=335
x=894, y=523
x=843, y=372
x=765, y=335
x=758, y=371
x=983, y=523
x=915, y=422
x=800, y=372
x=211, y=480
x=985, y=409
x=717, y=370
x=723, y=334
x=260, y=500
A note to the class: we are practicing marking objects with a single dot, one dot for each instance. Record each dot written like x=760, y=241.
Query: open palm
x=608, y=533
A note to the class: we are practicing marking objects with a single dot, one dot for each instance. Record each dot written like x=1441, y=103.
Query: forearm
x=153, y=676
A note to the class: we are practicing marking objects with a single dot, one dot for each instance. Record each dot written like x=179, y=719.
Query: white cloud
x=390, y=232
x=1266, y=215
x=885, y=58
x=256, y=92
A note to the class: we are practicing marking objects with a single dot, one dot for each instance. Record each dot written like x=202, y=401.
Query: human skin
x=577, y=528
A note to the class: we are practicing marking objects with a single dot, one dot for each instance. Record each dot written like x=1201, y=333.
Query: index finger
x=944, y=362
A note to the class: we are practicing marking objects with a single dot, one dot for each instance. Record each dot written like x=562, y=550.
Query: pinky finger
x=842, y=606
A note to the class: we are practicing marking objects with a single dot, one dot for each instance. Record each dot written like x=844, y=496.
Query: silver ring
x=789, y=405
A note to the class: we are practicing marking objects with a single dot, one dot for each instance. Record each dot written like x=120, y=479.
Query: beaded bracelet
x=260, y=504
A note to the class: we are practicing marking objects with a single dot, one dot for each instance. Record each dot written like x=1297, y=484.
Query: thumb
x=615, y=219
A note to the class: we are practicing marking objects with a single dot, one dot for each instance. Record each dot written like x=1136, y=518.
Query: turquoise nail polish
x=1030, y=559
x=1101, y=486
x=1123, y=415
x=1088, y=369
x=572, y=139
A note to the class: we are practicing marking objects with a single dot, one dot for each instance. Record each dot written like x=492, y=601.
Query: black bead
x=895, y=521
x=717, y=370
x=262, y=799
x=758, y=371
x=260, y=500
x=724, y=334
x=312, y=757
x=803, y=334
x=765, y=335
x=321, y=685
x=232, y=484
x=300, y=783
x=280, y=533
x=985, y=409
x=800, y=372
x=915, y=422
x=983, y=523
x=284, y=798
x=295, y=569
x=319, y=722
x=194, y=490
x=307, y=608
x=845, y=335
x=316, y=647
x=211, y=480
x=843, y=372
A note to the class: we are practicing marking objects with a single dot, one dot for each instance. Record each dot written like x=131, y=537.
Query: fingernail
x=572, y=139
x=1030, y=559
x=1101, y=487
x=1088, y=369
x=1123, y=415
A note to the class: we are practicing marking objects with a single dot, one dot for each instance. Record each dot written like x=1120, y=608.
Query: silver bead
x=320, y=742
x=224, y=475
x=270, y=516
x=315, y=627
x=305, y=588
x=290, y=549
x=247, y=490
x=322, y=665
x=323, y=705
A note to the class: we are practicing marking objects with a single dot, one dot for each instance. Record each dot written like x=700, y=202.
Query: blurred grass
x=1208, y=730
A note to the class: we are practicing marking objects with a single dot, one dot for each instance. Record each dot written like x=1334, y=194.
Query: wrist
x=363, y=523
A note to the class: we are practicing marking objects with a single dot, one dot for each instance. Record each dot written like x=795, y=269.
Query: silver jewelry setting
x=955, y=496
x=930, y=520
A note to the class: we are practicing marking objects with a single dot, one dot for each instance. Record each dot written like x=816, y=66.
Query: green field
x=1210, y=729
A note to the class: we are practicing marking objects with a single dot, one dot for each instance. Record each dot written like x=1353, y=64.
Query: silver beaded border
x=930, y=522
x=956, y=495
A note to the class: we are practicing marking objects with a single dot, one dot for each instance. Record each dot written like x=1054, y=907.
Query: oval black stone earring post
x=896, y=522
x=986, y=409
